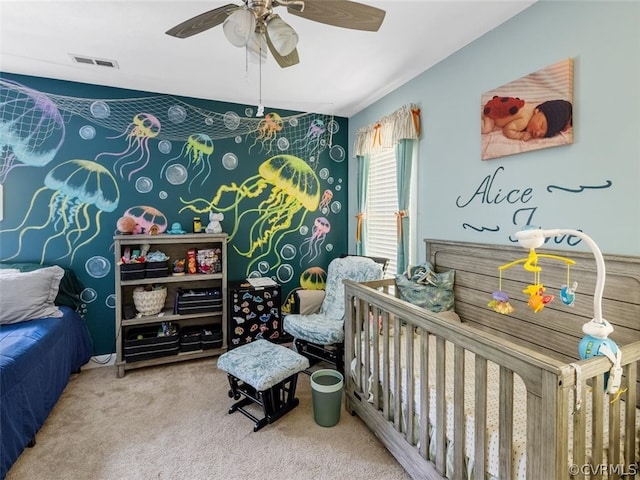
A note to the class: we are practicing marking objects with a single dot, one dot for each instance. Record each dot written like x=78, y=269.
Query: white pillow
x=29, y=295
x=7, y=271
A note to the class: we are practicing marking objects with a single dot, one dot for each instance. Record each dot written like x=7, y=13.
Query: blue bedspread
x=37, y=358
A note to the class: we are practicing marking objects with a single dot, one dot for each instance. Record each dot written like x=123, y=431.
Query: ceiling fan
x=255, y=26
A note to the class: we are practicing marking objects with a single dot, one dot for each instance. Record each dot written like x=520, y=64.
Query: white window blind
x=382, y=205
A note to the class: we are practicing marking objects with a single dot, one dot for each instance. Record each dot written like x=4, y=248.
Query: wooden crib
x=465, y=378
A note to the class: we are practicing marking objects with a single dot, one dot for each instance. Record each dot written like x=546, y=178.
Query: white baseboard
x=101, y=361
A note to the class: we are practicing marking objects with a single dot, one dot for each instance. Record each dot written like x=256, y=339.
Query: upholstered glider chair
x=320, y=336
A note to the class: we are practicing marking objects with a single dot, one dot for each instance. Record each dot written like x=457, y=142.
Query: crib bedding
x=493, y=406
x=37, y=358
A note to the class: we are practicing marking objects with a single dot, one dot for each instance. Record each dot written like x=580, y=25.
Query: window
x=377, y=146
x=382, y=205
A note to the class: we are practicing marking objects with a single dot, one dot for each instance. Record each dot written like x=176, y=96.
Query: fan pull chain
x=260, y=111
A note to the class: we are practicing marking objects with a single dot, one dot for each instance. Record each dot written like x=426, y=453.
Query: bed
x=496, y=396
x=42, y=342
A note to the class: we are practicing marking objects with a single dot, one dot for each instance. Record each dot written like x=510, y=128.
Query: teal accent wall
x=75, y=158
x=592, y=185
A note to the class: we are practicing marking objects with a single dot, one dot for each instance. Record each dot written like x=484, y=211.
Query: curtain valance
x=404, y=123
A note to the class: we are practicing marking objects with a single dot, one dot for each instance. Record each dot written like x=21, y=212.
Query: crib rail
x=413, y=366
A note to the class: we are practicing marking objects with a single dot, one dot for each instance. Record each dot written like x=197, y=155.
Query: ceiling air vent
x=101, y=62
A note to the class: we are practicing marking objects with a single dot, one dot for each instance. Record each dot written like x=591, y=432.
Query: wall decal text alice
x=489, y=194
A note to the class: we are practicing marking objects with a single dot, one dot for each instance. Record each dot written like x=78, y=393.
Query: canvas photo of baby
x=530, y=113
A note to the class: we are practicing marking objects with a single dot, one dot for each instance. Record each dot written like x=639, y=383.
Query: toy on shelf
x=214, y=225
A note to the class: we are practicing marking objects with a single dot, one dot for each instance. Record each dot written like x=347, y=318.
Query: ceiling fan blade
x=202, y=22
x=283, y=61
x=340, y=13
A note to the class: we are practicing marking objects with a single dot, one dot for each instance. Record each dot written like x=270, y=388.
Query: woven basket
x=149, y=302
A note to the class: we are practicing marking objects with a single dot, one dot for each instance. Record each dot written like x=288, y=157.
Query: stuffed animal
x=501, y=107
x=127, y=225
x=214, y=223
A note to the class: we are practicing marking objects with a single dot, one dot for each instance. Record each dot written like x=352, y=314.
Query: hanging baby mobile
x=536, y=290
x=597, y=330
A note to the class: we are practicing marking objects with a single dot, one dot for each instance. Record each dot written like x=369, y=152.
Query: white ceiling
x=340, y=71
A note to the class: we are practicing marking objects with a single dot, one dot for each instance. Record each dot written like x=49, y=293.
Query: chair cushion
x=308, y=301
x=315, y=328
x=358, y=269
x=262, y=364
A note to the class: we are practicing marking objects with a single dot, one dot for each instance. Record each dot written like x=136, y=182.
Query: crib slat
x=366, y=341
x=372, y=364
x=441, y=406
x=356, y=326
x=424, y=394
x=597, y=425
x=397, y=374
x=410, y=375
x=563, y=421
x=387, y=321
x=579, y=425
x=630, y=412
x=458, y=413
x=535, y=435
x=480, y=422
x=614, y=437
x=506, y=423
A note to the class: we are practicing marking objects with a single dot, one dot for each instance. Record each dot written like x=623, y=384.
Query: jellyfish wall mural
x=312, y=139
x=197, y=152
x=326, y=199
x=75, y=194
x=31, y=128
x=267, y=132
x=77, y=157
x=143, y=128
x=312, y=245
x=290, y=186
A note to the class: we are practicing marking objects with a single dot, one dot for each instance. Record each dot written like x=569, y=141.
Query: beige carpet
x=171, y=422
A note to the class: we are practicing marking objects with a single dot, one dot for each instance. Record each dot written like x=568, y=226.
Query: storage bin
x=198, y=300
x=191, y=338
x=143, y=343
x=132, y=271
x=149, y=302
x=253, y=313
x=211, y=336
x=157, y=269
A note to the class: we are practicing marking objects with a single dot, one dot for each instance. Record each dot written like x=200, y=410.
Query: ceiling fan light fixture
x=255, y=26
x=283, y=37
x=257, y=48
x=239, y=26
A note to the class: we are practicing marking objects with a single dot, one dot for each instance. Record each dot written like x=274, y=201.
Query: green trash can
x=326, y=394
